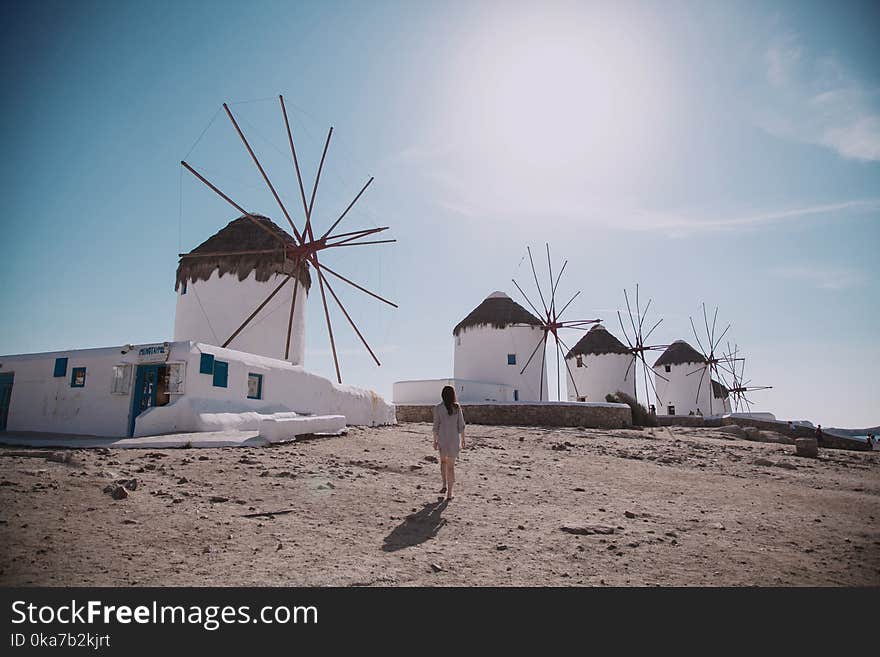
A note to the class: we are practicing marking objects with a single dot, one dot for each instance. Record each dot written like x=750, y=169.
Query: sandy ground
x=677, y=507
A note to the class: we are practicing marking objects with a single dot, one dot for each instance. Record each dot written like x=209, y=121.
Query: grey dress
x=448, y=428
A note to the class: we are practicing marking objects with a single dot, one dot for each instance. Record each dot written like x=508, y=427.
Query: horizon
x=726, y=155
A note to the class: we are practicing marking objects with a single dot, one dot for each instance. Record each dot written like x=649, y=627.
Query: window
x=516, y=395
x=668, y=368
x=121, y=381
x=255, y=386
x=78, y=377
x=60, y=367
x=580, y=361
x=511, y=359
x=221, y=373
x=206, y=364
x=670, y=410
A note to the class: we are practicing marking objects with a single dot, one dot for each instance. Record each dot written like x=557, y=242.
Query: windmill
x=740, y=386
x=716, y=366
x=551, y=321
x=303, y=249
x=637, y=345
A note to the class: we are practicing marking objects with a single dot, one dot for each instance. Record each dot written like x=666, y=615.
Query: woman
x=448, y=435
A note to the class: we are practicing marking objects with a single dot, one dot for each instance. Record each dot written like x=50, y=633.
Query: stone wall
x=795, y=431
x=604, y=416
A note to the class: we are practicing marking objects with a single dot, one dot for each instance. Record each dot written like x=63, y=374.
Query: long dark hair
x=448, y=397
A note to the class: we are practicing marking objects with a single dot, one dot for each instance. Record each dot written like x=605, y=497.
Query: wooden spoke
x=631, y=321
x=541, y=373
x=362, y=289
x=700, y=386
x=569, y=302
x=355, y=236
x=360, y=233
x=328, y=246
x=526, y=297
x=534, y=351
x=263, y=173
x=314, y=260
x=315, y=188
x=254, y=314
x=648, y=335
x=247, y=214
x=625, y=336
x=345, y=212
x=344, y=311
x=696, y=336
x=538, y=285
x=302, y=190
x=292, y=309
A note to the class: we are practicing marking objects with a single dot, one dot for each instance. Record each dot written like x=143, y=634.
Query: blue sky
x=718, y=152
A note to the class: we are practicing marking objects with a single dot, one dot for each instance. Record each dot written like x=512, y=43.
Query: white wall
x=601, y=374
x=681, y=391
x=41, y=402
x=212, y=310
x=481, y=355
x=427, y=391
x=286, y=388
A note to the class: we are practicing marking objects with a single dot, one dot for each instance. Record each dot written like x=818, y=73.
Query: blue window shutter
x=206, y=364
x=511, y=359
x=221, y=373
x=60, y=367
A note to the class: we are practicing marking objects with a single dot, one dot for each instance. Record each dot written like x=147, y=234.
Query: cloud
x=823, y=278
x=682, y=226
x=816, y=100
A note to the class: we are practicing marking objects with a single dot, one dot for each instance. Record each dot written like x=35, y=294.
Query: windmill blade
x=263, y=173
x=555, y=287
x=648, y=335
x=350, y=205
x=629, y=314
x=302, y=190
x=244, y=212
x=642, y=318
x=537, y=284
x=254, y=314
x=362, y=289
x=653, y=387
x=541, y=374
x=525, y=296
x=363, y=232
x=534, y=351
x=569, y=303
x=552, y=287
x=694, y=329
x=625, y=336
x=706, y=322
x=308, y=228
x=570, y=375
x=631, y=363
x=638, y=315
x=702, y=368
x=700, y=386
x=347, y=243
x=712, y=334
x=345, y=312
x=721, y=336
x=558, y=381
x=642, y=355
x=314, y=260
x=292, y=310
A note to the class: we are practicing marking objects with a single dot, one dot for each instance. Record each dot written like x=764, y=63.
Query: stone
x=733, y=430
x=119, y=493
x=629, y=514
x=806, y=447
x=60, y=457
x=764, y=462
x=586, y=530
x=436, y=567
x=751, y=433
x=218, y=499
x=430, y=459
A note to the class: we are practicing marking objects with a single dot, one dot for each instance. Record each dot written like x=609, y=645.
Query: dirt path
x=678, y=507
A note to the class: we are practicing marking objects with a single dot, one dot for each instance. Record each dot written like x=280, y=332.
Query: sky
x=718, y=153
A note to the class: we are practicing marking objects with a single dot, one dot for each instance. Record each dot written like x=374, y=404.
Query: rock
x=129, y=521
x=119, y=493
x=430, y=459
x=586, y=530
x=130, y=484
x=103, y=451
x=436, y=567
x=717, y=525
x=500, y=547
x=787, y=466
x=183, y=480
x=751, y=433
x=764, y=462
x=580, y=490
x=60, y=457
x=218, y=499
x=629, y=514
x=774, y=437
x=733, y=430
x=807, y=447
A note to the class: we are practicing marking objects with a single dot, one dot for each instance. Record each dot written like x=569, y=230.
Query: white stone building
x=191, y=384
x=599, y=365
x=679, y=389
x=492, y=345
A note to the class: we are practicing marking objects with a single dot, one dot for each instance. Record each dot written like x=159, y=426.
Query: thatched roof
x=497, y=310
x=719, y=391
x=240, y=235
x=598, y=341
x=679, y=352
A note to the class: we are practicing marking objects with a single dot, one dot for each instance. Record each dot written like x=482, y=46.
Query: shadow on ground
x=417, y=527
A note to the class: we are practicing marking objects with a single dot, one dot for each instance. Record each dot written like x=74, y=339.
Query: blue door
x=145, y=384
x=5, y=398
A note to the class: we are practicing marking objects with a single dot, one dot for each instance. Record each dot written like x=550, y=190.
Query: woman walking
x=448, y=436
